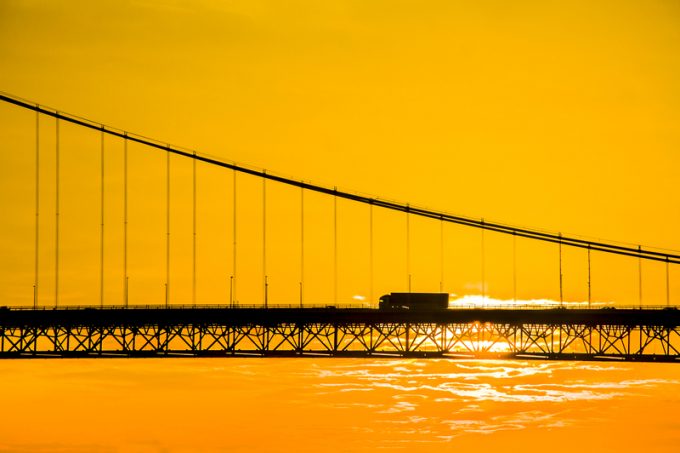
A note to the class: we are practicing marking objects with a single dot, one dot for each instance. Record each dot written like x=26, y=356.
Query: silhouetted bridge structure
x=50, y=328
x=556, y=333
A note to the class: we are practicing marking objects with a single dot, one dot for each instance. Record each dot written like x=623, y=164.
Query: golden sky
x=554, y=115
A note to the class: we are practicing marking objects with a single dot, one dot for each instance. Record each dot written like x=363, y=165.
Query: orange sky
x=559, y=117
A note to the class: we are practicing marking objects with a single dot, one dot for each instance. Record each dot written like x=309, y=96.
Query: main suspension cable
x=606, y=247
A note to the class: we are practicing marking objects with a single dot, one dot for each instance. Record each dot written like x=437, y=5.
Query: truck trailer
x=414, y=301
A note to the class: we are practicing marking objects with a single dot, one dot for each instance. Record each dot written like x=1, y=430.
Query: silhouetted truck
x=414, y=301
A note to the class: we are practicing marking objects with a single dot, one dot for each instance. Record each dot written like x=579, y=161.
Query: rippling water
x=337, y=405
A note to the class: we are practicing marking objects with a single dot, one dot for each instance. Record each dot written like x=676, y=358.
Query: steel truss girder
x=556, y=341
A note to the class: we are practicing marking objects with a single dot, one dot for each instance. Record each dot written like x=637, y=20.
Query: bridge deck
x=274, y=316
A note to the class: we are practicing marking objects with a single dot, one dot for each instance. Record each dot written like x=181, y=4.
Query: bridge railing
x=364, y=306
x=189, y=306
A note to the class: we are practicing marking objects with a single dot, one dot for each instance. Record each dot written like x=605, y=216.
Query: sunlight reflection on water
x=469, y=397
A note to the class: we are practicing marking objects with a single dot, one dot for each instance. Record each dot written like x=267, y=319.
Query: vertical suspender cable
x=668, y=285
x=302, y=243
x=514, y=267
x=101, y=230
x=589, y=281
x=125, y=220
x=231, y=289
x=193, y=270
x=234, y=244
x=37, y=208
x=335, y=247
x=408, y=246
x=483, y=264
x=441, y=255
x=640, y=276
x=264, y=241
x=167, y=229
x=370, y=252
x=560, y=252
x=56, y=225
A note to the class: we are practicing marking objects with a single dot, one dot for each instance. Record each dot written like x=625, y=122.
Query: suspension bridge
x=300, y=322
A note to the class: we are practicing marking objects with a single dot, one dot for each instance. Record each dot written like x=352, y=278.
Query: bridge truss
x=630, y=334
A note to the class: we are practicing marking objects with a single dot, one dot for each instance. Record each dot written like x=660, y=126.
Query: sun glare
x=479, y=301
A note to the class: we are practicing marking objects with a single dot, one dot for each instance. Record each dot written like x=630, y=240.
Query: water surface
x=356, y=405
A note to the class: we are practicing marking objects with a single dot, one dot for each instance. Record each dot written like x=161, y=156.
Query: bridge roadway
x=152, y=331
